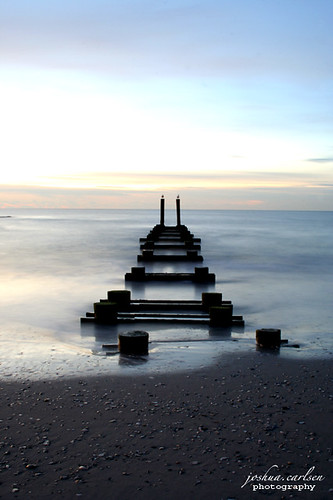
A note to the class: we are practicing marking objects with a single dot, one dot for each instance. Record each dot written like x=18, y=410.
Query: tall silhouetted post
x=162, y=211
x=178, y=210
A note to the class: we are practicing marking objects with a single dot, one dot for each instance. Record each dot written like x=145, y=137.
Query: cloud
x=321, y=185
x=328, y=159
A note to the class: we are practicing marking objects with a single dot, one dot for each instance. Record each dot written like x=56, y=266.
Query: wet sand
x=192, y=435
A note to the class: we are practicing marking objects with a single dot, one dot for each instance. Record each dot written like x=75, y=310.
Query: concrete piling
x=138, y=273
x=210, y=299
x=135, y=342
x=269, y=338
x=220, y=315
x=105, y=312
x=162, y=211
x=120, y=297
x=201, y=274
x=178, y=210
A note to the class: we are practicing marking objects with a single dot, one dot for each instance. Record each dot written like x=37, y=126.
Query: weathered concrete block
x=220, y=315
x=121, y=297
x=135, y=342
x=269, y=338
x=105, y=312
x=201, y=272
x=138, y=273
x=210, y=299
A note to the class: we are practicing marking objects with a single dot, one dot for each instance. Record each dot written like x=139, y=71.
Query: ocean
x=275, y=266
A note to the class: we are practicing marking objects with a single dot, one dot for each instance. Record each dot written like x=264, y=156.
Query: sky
x=110, y=104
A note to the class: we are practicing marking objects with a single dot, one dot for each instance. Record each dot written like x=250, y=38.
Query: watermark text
x=271, y=479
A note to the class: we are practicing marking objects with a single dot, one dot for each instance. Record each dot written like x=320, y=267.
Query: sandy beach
x=204, y=434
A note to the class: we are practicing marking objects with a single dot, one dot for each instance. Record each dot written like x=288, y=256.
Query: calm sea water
x=276, y=267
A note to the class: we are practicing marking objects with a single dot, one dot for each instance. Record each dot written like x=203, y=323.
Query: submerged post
x=178, y=210
x=162, y=211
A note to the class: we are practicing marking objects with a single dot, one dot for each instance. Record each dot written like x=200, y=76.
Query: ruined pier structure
x=175, y=238
x=180, y=246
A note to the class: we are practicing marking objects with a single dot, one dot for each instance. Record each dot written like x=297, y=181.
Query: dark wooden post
x=106, y=312
x=138, y=273
x=178, y=210
x=162, y=211
x=201, y=274
x=268, y=337
x=210, y=299
x=120, y=297
x=220, y=315
x=133, y=342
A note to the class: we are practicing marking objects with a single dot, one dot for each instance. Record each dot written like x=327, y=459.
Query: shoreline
x=193, y=435
x=32, y=354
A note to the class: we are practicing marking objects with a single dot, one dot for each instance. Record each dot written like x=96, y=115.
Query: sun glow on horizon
x=136, y=183
x=63, y=133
